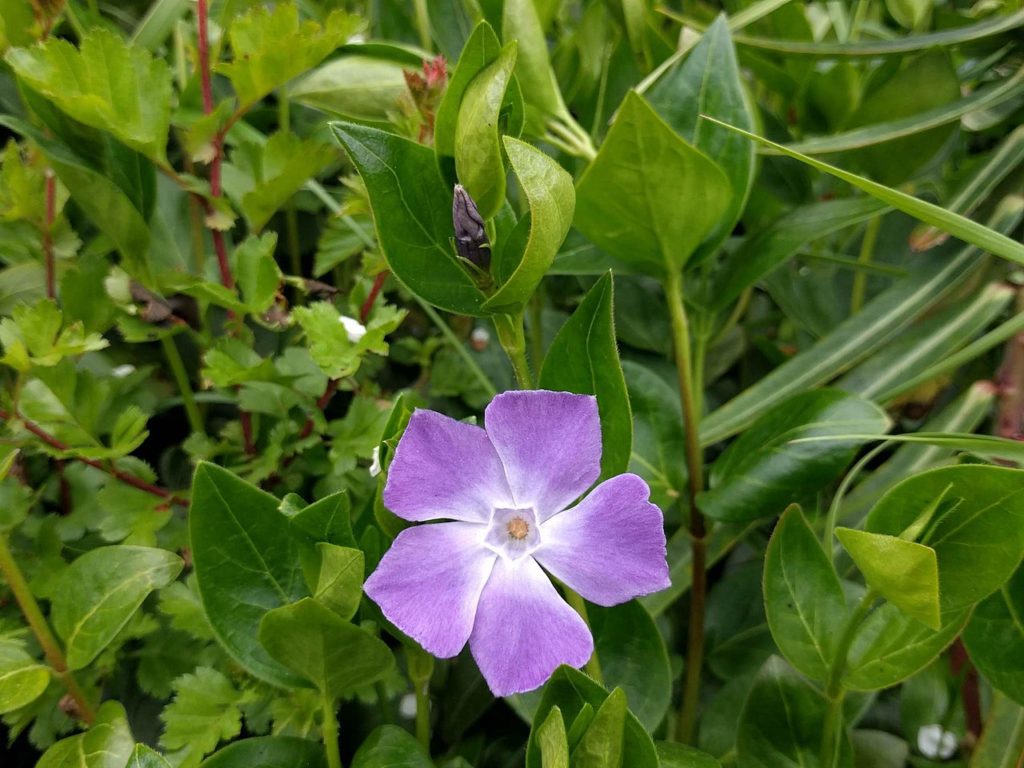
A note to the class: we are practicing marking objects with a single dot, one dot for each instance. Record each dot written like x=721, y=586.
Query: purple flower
x=510, y=491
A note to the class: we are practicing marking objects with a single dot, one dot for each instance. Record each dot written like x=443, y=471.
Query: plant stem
x=457, y=344
x=834, y=691
x=48, y=255
x=698, y=529
x=329, y=728
x=513, y=341
x=41, y=629
x=177, y=365
x=593, y=667
x=423, y=713
x=422, y=13
x=867, y=251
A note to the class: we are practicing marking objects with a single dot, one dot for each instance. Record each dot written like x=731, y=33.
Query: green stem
x=423, y=23
x=837, y=500
x=698, y=529
x=330, y=732
x=423, y=713
x=537, y=326
x=177, y=365
x=834, y=691
x=593, y=667
x=513, y=341
x=41, y=629
x=867, y=251
x=458, y=345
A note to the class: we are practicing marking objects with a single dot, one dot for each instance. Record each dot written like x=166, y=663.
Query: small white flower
x=407, y=706
x=479, y=339
x=375, y=466
x=355, y=329
x=122, y=371
x=936, y=743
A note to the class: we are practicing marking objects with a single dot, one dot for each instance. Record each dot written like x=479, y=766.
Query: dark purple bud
x=470, y=236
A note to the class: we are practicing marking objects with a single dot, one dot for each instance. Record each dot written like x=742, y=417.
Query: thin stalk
x=423, y=713
x=698, y=529
x=41, y=629
x=177, y=366
x=513, y=341
x=867, y=252
x=329, y=729
x=48, y=254
x=834, y=691
x=593, y=667
x=457, y=344
x=422, y=13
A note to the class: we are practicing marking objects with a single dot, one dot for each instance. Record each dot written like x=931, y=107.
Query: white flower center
x=513, y=533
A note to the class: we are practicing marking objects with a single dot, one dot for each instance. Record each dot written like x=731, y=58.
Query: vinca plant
x=497, y=383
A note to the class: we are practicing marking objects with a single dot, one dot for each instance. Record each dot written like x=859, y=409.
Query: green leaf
x=520, y=22
x=552, y=740
x=270, y=47
x=903, y=572
x=977, y=531
x=890, y=646
x=549, y=192
x=412, y=211
x=100, y=592
x=995, y=637
x=326, y=520
x=108, y=744
x=269, y=752
x=246, y=563
x=708, y=82
x=203, y=713
x=672, y=755
x=363, y=88
x=393, y=747
x=326, y=650
x=257, y=273
x=478, y=155
x=263, y=176
x=803, y=598
x=601, y=745
x=145, y=757
x=649, y=198
x=107, y=84
x=334, y=346
x=572, y=691
x=763, y=470
x=584, y=358
x=782, y=721
x=36, y=334
x=339, y=584
x=1002, y=740
x=969, y=231
x=22, y=678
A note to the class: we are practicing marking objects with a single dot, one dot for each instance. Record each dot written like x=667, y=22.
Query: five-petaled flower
x=510, y=492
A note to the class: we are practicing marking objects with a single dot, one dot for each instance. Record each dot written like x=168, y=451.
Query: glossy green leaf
x=107, y=744
x=413, y=217
x=326, y=650
x=903, y=572
x=101, y=590
x=571, y=691
x=658, y=440
x=878, y=749
x=953, y=223
x=764, y=470
x=781, y=722
x=549, y=192
x=478, y=152
x=269, y=752
x=977, y=532
x=601, y=745
x=246, y=563
x=890, y=646
x=353, y=87
x=326, y=520
x=106, y=83
x=803, y=598
x=584, y=358
x=995, y=637
x=708, y=82
x=1002, y=740
x=393, y=747
x=22, y=678
x=649, y=198
x=672, y=755
x=339, y=584
x=552, y=741
x=543, y=98
x=145, y=757
x=270, y=47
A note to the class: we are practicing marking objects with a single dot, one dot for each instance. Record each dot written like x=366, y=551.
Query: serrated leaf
x=106, y=83
x=232, y=362
x=257, y=273
x=203, y=713
x=334, y=347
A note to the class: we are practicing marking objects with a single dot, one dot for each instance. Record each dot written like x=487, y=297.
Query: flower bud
x=470, y=237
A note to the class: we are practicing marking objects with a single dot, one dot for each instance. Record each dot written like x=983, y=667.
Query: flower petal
x=550, y=444
x=524, y=630
x=429, y=583
x=610, y=547
x=444, y=468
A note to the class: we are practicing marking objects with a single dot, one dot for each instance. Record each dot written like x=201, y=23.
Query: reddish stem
x=51, y=214
x=124, y=477
x=960, y=663
x=378, y=286
x=246, y=419
x=325, y=398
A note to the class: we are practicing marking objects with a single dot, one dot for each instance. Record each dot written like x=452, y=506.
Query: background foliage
x=778, y=240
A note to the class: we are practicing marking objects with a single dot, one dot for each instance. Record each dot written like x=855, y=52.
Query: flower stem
x=177, y=365
x=513, y=341
x=41, y=629
x=834, y=691
x=593, y=667
x=329, y=728
x=698, y=529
